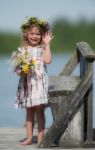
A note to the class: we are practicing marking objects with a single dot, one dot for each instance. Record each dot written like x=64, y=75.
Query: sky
x=14, y=12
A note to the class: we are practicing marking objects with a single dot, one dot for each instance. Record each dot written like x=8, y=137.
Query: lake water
x=11, y=117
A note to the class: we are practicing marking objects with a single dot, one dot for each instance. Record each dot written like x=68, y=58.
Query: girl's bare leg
x=41, y=122
x=29, y=125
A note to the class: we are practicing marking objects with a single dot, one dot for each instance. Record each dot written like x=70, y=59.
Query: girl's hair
x=42, y=25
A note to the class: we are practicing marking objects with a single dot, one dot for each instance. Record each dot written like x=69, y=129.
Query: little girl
x=33, y=84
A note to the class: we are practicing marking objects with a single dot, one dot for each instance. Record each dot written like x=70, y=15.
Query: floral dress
x=33, y=87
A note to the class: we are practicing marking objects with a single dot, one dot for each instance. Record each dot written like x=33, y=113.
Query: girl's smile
x=34, y=36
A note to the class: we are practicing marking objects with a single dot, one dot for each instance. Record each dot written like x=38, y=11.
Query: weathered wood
x=86, y=51
x=88, y=100
x=62, y=85
x=61, y=123
x=88, y=111
x=83, y=69
x=82, y=94
x=89, y=138
x=10, y=140
x=70, y=66
x=83, y=66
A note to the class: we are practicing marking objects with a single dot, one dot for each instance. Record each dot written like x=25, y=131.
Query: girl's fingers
x=50, y=33
x=52, y=37
x=48, y=36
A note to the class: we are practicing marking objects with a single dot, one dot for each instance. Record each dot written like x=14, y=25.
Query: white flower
x=19, y=49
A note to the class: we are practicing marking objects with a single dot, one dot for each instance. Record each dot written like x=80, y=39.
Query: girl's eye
x=35, y=34
x=38, y=34
x=32, y=33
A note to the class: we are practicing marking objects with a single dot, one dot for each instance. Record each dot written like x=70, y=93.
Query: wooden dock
x=10, y=140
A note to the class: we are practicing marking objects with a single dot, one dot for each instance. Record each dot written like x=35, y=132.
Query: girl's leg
x=29, y=125
x=41, y=122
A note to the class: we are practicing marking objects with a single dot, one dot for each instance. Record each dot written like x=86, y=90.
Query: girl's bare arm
x=47, y=56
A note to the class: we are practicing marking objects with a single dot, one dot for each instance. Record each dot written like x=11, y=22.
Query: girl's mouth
x=34, y=40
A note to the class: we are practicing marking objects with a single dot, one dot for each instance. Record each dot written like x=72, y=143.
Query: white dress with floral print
x=33, y=88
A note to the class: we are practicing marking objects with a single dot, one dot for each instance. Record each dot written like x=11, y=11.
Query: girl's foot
x=40, y=137
x=26, y=142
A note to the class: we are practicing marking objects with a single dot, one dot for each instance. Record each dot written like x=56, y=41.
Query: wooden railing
x=68, y=95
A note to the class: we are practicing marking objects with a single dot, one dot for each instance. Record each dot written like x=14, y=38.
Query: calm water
x=11, y=117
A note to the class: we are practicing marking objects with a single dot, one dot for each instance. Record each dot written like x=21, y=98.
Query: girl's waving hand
x=47, y=38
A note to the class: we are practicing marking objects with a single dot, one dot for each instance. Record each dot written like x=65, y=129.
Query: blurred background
x=71, y=21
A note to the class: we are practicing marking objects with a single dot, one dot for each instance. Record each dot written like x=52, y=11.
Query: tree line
x=66, y=34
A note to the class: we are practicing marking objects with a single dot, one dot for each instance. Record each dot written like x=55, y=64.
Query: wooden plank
x=70, y=66
x=9, y=140
x=88, y=100
x=89, y=139
x=62, y=85
x=86, y=51
x=83, y=69
x=61, y=123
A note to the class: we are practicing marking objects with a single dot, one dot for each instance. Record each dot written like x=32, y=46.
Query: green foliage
x=66, y=34
x=8, y=42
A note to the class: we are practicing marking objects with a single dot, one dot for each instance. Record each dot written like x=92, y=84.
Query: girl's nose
x=34, y=35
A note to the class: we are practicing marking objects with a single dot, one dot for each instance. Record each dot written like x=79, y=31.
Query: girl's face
x=34, y=36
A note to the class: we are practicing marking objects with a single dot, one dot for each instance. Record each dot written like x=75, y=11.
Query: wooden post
x=70, y=66
x=89, y=112
x=86, y=56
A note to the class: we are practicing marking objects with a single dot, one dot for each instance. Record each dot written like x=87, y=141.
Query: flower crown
x=35, y=21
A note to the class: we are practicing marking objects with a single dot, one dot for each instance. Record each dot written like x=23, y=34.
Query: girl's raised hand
x=47, y=38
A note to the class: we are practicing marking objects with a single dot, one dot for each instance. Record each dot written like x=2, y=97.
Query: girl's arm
x=47, y=56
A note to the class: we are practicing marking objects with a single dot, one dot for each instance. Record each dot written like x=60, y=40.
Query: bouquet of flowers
x=23, y=62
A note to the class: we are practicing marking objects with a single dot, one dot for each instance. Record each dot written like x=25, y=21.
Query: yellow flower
x=41, y=22
x=27, y=55
x=33, y=62
x=19, y=56
x=26, y=68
